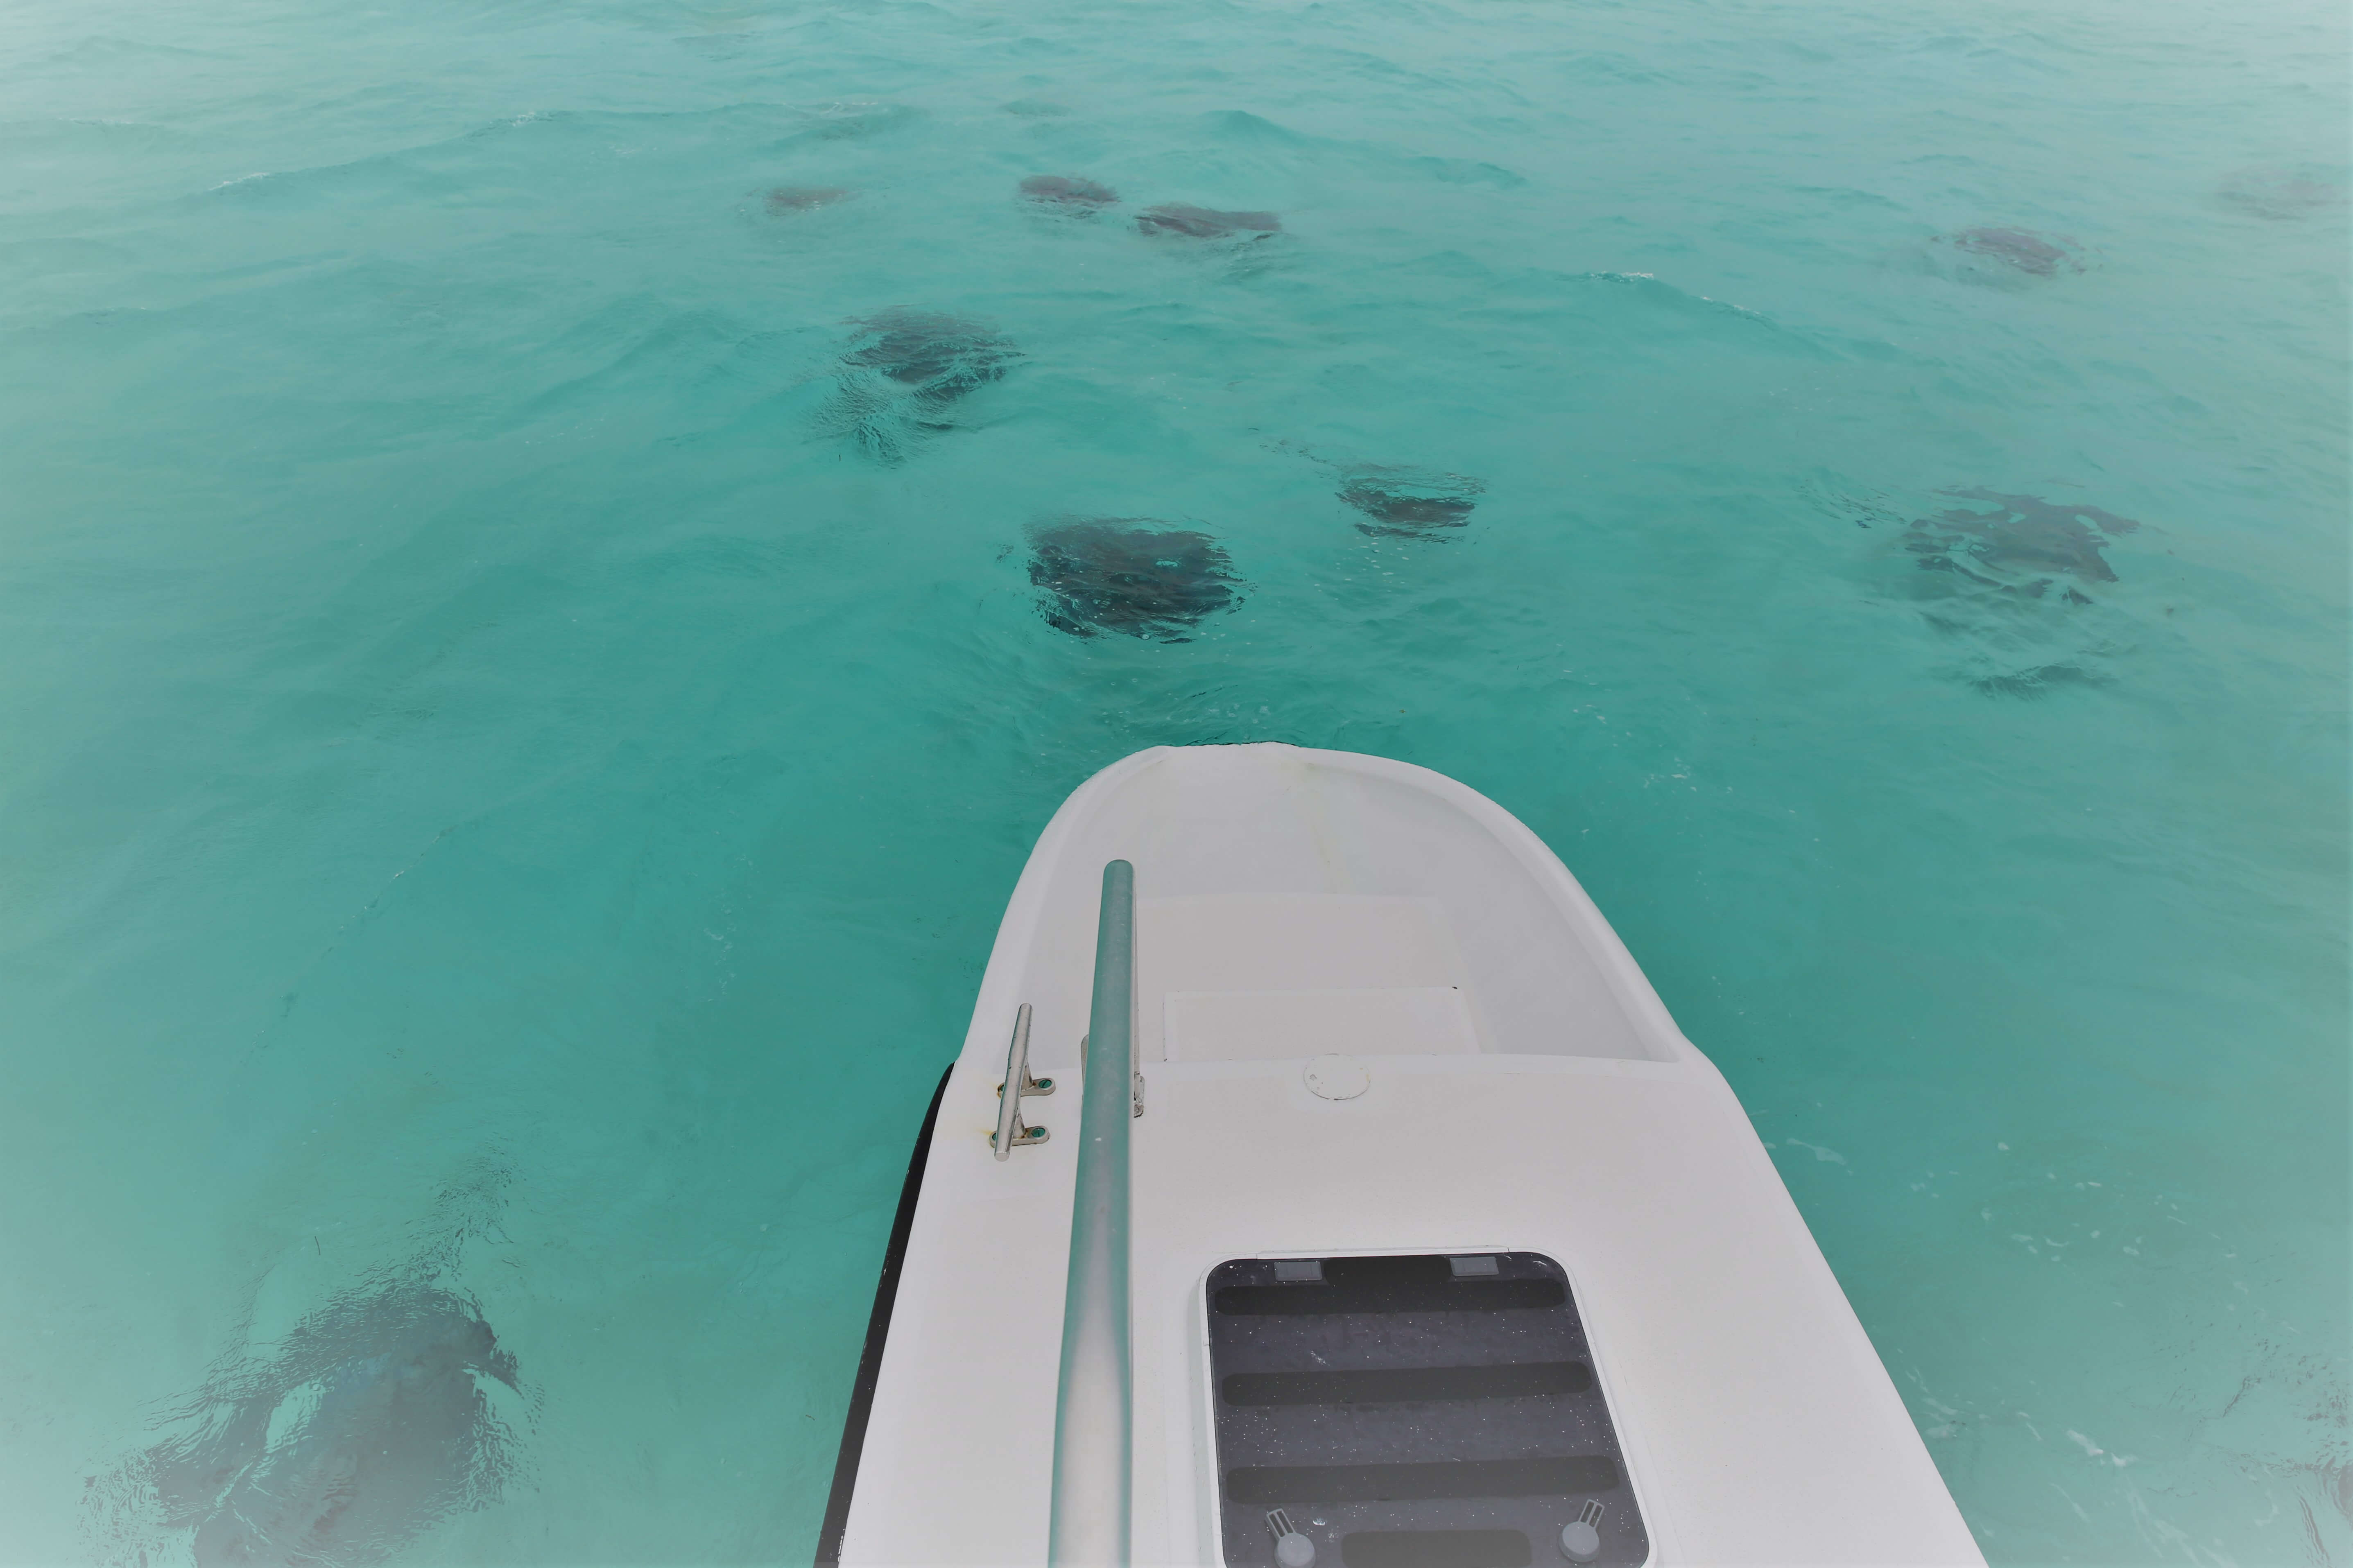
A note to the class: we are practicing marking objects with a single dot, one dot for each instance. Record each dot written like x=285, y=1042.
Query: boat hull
x=1517, y=1090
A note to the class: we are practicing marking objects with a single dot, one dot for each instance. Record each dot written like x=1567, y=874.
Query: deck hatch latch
x=1292, y=1549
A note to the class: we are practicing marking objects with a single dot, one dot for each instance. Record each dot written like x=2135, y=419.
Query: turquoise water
x=507, y=796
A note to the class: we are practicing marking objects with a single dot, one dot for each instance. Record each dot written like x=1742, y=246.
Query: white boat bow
x=1443, y=1248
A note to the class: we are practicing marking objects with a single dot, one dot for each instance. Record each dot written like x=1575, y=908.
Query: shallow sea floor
x=526, y=687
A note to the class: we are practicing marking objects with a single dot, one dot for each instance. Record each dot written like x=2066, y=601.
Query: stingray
x=852, y=118
x=939, y=357
x=1067, y=191
x=2016, y=545
x=904, y=371
x=1133, y=575
x=2281, y=193
x=2040, y=680
x=1412, y=502
x=1201, y=223
x=787, y=199
x=371, y=1421
x=2038, y=256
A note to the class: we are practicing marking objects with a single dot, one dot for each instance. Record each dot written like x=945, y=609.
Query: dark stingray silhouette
x=941, y=357
x=904, y=373
x=2036, y=254
x=1131, y=576
x=2037, y=680
x=1067, y=192
x=849, y=120
x=787, y=199
x=2019, y=545
x=1412, y=502
x=2282, y=194
x=1201, y=223
x=369, y=1423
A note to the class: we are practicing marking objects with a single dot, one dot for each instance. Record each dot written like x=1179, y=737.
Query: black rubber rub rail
x=878, y=1332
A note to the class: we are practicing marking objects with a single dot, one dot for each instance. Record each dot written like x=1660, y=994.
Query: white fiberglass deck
x=1527, y=1093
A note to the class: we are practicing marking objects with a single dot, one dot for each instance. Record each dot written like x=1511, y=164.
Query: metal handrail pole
x=1092, y=1430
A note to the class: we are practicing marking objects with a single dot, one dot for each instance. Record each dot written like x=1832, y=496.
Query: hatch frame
x=1209, y=1495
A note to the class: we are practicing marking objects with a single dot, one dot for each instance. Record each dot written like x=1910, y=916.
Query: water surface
x=528, y=680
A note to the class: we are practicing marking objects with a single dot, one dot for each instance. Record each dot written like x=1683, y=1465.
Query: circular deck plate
x=1337, y=1077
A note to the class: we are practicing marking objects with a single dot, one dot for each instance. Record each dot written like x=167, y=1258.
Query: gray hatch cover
x=1418, y=1412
